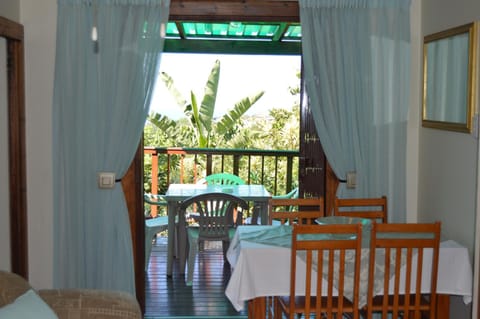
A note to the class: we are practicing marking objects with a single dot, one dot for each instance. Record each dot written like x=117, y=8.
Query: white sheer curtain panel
x=107, y=59
x=357, y=71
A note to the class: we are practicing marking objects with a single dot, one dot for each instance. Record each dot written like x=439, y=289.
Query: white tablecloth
x=262, y=267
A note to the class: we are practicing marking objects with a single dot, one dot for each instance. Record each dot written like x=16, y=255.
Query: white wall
x=9, y=10
x=447, y=160
x=39, y=20
x=416, y=40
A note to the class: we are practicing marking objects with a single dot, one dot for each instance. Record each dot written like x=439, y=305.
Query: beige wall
x=39, y=20
x=447, y=160
x=416, y=40
x=9, y=10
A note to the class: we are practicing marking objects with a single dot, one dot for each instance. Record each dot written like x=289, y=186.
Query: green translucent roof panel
x=172, y=30
x=293, y=33
x=234, y=31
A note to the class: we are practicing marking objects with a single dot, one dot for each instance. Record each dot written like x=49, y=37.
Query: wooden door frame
x=204, y=10
x=198, y=10
x=13, y=34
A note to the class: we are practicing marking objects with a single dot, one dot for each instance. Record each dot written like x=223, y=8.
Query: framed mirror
x=449, y=80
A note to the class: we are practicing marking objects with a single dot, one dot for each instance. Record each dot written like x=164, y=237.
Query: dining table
x=260, y=259
x=177, y=193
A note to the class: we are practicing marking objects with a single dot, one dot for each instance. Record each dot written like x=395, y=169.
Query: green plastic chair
x=216, y=222
x=155, y=199
x=153, y=225
x=222, y=179
x=292, y=194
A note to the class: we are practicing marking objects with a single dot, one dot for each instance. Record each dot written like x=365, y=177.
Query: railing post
x=182, y=168
x=263, y=170
x=236, y=164
x=289, y=173
x=249, y=168
x=209, y=165
x=276, y=175
x=195, y=170
x=154, y=179
x=168, y=170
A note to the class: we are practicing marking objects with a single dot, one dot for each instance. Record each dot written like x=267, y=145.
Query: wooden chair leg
x=277, y=313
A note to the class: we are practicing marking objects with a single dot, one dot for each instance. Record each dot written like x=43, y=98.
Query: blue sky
x=240, y=76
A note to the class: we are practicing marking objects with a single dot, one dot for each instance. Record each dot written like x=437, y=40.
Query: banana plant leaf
x=207, y=108
x=163, y=122
x=228, y=120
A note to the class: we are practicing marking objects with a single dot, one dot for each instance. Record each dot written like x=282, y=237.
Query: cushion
x=28, y=305
x=11, y=287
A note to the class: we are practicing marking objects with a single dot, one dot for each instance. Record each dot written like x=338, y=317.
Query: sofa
x=65, y=303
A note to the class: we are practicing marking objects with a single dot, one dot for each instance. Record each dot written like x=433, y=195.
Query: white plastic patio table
x=177, y=193
x=261, y=270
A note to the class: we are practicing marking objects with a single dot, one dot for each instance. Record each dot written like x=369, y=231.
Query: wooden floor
x=171, y=298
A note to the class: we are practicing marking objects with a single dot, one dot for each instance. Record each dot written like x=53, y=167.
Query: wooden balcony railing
x=276, y=170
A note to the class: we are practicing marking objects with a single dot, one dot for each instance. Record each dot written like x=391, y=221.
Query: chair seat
x=194, y=233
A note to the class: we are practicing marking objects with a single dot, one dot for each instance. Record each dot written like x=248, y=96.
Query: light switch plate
x=351, y=179
x=106, y=180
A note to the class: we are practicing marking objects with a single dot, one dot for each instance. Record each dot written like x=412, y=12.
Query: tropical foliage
x=279, y=130
x=200, y=124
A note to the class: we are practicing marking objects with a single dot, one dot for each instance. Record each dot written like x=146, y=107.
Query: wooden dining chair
x=295, y=210
x=216, y=222
x=323, y=249
x=371, y=208
x=407, y=253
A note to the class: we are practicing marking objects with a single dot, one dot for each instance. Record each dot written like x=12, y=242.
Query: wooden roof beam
x=234, y=10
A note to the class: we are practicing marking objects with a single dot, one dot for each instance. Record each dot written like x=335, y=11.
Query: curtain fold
x=102, y=93
x=356, y=56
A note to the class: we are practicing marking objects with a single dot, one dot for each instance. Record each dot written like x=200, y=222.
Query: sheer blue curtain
x=107, y=59
x=450, y=86
x=357, y=62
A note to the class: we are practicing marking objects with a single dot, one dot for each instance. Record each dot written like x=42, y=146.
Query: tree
x=201, y=124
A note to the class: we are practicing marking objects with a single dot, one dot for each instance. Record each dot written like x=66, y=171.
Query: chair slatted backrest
x=372, y=208
x=295, y=210
x=216, y=213
x=326, y=257
x=414, y=248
